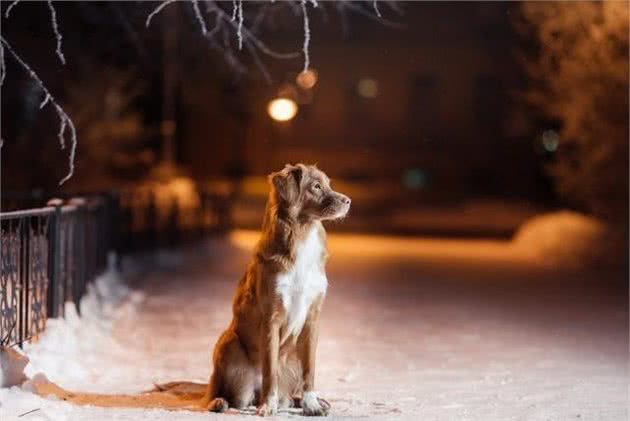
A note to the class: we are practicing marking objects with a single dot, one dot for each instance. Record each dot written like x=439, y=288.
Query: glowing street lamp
x=282, y=109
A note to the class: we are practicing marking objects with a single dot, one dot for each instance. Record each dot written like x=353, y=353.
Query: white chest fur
x=299, y=287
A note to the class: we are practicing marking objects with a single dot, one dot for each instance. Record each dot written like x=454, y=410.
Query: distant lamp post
x=306, y=80
x=282, y=109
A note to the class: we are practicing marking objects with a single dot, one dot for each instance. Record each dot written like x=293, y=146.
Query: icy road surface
x=413, y=329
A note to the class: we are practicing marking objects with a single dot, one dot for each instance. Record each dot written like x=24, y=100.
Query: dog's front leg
x=270, y=347
x=311, y=404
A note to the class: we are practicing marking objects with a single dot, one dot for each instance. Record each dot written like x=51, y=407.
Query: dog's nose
x=346, y=200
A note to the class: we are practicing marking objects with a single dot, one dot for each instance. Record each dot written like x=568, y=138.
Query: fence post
x=54, y=261
x=24, y=277
x=80, y=252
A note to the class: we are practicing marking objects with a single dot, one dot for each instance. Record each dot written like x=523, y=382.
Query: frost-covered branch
x=234, y=19
x=55, y=26
x=239, y=31
x=157, y=10
x=65, y=122
x=44, y=101
x=248, y=36
x=378, y=12
x=202, y=23
x=11, y=6
x=307, y=36
x=3, y=67
x=234, y=10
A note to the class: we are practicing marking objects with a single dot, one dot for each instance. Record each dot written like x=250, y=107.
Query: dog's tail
x=175, y=395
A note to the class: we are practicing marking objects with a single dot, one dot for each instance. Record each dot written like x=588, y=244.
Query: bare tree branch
x=157, y=10
x=3, y=66
x=248, y=35
x=307, y=35
x=378, y=12
x=44, y=101
x=65, y=121
x=202, y=23
x=234, y=10
x=11, y=6
x=239, y=32
x=55, y=26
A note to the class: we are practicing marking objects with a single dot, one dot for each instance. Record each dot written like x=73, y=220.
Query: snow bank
x=69, y=346
x=12, y=364
x=67, y=340
x=568, y=239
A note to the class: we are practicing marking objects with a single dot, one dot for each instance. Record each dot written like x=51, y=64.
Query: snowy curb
x=65, y=339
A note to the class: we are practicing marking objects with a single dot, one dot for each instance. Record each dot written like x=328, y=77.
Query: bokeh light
x=282, y=109
x=367, y=88
x=307, y=79
x=415, y=179
x=550, y=140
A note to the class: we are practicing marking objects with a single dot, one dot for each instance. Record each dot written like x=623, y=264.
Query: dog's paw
x=270, y=407
x=312, y=406
x=218, y=405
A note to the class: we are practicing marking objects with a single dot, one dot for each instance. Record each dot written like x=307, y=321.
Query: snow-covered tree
x=580, y=78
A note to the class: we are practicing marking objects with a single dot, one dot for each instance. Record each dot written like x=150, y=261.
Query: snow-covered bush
x=570, y=239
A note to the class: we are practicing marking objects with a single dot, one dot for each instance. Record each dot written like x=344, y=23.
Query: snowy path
x=412, y=329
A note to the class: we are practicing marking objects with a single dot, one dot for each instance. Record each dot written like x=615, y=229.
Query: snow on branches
x=235, y=18
x=65, y=122
x=11, y=6
x=66, y=125
x=307, y=34
x=58, y=37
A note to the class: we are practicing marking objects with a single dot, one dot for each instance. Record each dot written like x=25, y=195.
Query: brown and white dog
x=266, y=356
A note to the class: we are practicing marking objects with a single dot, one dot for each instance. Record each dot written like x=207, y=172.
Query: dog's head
x=305, y=191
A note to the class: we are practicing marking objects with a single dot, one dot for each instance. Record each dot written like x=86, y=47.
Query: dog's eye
x=317, y=186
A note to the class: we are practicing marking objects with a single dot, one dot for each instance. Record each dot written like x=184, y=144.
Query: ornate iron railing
x=48, y=256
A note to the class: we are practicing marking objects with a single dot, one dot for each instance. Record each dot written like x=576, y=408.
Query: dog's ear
x=287, y=182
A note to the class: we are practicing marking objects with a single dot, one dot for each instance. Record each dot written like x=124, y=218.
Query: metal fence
x=48, y=256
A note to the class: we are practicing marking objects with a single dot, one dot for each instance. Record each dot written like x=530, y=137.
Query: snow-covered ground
x=413, y=329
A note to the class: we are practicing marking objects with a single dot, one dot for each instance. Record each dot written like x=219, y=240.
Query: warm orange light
x=306, y=79
x=282, y=109
x=367, y=88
